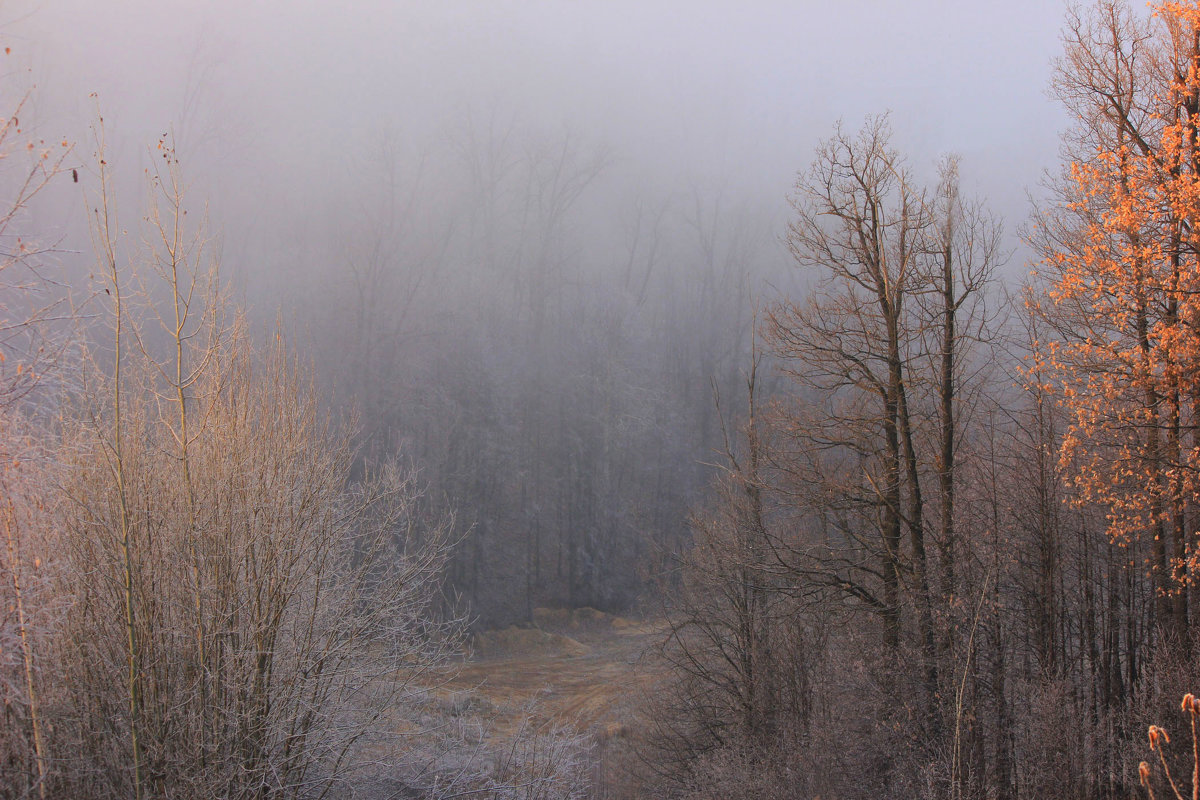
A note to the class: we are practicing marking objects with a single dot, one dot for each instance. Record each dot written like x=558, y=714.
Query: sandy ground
x=585, y=672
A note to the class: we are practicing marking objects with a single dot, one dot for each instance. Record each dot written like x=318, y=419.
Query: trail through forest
x=583, y=670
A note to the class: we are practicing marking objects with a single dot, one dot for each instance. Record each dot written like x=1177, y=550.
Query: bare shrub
x=234, y=614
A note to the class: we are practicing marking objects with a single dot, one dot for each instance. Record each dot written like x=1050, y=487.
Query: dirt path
x=587, y=678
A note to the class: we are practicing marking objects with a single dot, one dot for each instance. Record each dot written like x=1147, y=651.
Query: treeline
x=546, y=353
x=957, y=558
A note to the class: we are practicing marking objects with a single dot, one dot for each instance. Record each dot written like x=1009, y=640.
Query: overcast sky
x=287, y=94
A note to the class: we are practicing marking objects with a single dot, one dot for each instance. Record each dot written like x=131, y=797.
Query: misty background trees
x=543, y=353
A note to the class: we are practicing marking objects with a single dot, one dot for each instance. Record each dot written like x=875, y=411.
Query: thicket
x=206, y=591
x=957, y=558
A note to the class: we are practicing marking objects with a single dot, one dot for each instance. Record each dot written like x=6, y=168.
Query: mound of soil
x=525, y=641
x=573, y=619
x=590, y=617
x=552, y=617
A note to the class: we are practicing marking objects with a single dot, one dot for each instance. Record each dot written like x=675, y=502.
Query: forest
x=858, y=489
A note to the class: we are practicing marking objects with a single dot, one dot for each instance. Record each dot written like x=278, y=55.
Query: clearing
x=582, y=670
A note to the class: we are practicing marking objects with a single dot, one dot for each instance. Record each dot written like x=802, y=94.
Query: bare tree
x=862, y=222
x=29, y=300
x=30, y=347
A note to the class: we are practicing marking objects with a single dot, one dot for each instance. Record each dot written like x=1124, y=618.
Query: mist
x=560, y=194
x=278, y=108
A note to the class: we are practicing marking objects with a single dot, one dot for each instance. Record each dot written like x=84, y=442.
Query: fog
x=525, y=239
x=611, y=399
x=273, y=101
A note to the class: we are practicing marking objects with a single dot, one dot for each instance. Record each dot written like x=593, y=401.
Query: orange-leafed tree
x=1122, y=272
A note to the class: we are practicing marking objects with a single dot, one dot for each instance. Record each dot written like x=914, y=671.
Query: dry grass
x=514, y=641
x=586, y=682
x=538, y=699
